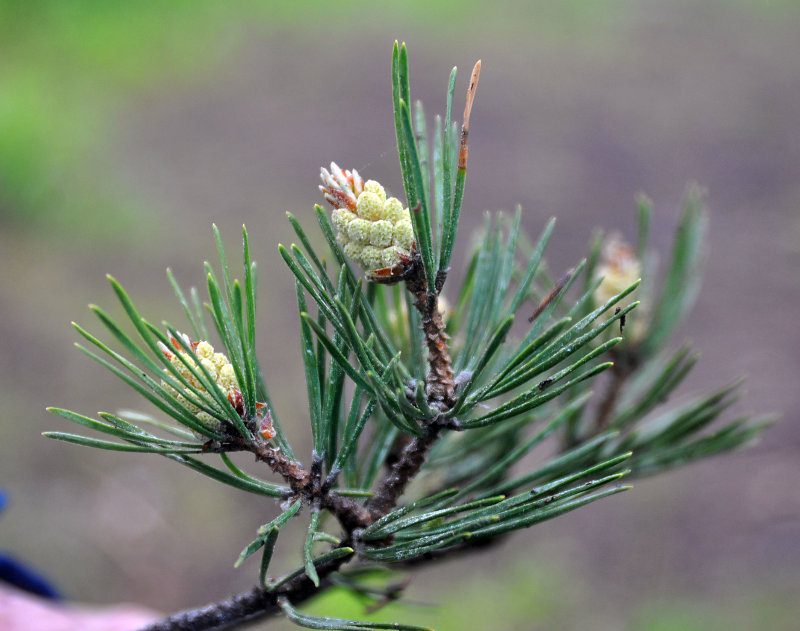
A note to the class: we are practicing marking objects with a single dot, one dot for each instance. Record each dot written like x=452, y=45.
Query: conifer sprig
x=423, y=419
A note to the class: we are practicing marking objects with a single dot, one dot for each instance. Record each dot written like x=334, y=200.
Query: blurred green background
x=127, y=128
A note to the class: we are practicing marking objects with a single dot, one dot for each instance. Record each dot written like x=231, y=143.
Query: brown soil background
x=571, y=123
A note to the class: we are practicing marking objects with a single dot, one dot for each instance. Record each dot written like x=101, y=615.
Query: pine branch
x=292, y=471
x=625, y=365
x=402, y=472
x=440, y=381
x=440, y=389
x=252, y=605
x=510, y=399
x=307, y=484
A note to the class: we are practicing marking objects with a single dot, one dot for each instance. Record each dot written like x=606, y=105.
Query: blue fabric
x=19, y=575
x=22, y=577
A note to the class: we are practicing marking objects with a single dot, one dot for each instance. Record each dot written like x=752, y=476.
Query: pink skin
x=23, y=612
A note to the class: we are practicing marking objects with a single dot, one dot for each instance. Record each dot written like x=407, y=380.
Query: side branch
x=308, y=485
x=625, y=364
x=440, y=381
x=439, y=388
x=402, y=472
x=292, y=471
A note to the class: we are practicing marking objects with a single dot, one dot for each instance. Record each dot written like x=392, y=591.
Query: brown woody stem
x=439, y=387
x=250, y=606
x=624, y=365
x=402, y=472
x=290, y=470
x=307, y=484
x=440, y=381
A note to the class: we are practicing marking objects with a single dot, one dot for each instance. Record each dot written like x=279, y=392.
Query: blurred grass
x=755, y=608
x=66, y=69
x=546, y=597
x=525, y=598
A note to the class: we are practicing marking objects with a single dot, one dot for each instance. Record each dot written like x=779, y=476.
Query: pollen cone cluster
x=372, y=230
x=217, y=366
x=619, y=268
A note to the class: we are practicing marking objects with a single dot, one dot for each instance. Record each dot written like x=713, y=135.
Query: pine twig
x=625, y=364
x=308, y=485
x=440, y=381
x=402, y=472
x=299, y=479
x=439, y=387
x=250, y=606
